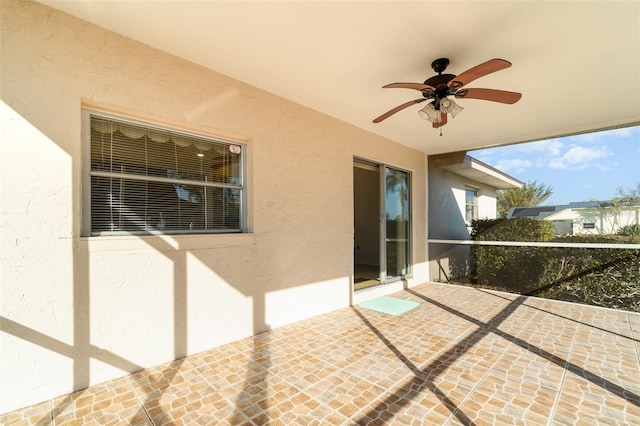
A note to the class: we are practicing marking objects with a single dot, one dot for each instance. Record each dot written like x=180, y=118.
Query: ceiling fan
x=441, y=86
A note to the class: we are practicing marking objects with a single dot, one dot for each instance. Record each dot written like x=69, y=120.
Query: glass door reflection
x=397, y=224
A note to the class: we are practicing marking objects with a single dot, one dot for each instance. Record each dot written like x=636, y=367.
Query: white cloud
x=513, y=165
x=579, y=158
x=548, y=148
x=548, y=154
x=581, y=152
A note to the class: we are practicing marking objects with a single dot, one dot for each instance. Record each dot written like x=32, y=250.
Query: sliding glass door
x=382, y=224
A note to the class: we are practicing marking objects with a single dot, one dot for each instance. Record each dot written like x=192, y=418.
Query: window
x=589, y=225
x=146, y=179
x=471, y=204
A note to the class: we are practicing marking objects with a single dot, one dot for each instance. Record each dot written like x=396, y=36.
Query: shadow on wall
x=446, y=221
x=41, y=90
x=82, y=351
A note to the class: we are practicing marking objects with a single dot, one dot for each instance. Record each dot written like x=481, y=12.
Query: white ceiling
x=577, y=64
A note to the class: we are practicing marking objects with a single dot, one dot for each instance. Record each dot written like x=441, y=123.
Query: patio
x=464, y=356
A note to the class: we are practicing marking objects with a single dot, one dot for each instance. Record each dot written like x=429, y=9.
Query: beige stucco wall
x=77, y=311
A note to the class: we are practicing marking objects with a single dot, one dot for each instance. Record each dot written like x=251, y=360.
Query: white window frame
x=88, y=112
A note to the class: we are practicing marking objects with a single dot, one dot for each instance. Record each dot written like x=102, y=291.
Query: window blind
x=146, y=179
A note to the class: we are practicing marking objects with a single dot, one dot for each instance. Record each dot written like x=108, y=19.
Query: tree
x=396, y=181
x=531, y=194
x=628, y=197
x=612, y=212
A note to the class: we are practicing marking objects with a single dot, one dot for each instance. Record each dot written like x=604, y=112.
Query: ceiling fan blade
x=415, y=86
x=479, y=71
x=442, y=122
x=501, y=96
x=398, y=108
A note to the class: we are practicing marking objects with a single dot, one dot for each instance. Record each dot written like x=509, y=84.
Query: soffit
x=473, y=170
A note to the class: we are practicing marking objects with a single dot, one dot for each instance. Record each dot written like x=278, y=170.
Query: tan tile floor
x=464, y=356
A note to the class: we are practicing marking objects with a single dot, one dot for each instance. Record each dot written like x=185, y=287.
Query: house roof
x=545, y=212
x=577, y=64
x=475, y=170
x=541, y=212
x=538, y=212
x=571, y=212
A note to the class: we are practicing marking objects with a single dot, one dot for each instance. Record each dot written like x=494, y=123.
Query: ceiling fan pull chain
x=440, y=131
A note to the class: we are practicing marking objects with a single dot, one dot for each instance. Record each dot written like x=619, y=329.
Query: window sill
x=165, y=243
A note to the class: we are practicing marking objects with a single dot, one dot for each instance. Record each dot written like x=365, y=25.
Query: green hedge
x=514, y=269
x=604, y=277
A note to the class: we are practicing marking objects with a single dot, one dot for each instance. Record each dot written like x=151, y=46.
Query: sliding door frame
x=383, y=169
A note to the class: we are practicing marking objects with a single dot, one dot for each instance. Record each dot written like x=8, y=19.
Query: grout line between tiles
x=231, y=402
x=635, y=341
x=556, y=401
x=489, y=371
x=51, y=416
x=133, y=389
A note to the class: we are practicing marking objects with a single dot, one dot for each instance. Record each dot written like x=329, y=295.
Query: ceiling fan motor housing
x=440, y=82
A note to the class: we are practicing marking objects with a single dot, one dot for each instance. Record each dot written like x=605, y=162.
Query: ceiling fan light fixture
x=430, y=113
x=448, y=106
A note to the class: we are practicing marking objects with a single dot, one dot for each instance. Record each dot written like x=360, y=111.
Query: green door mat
x=389, y=305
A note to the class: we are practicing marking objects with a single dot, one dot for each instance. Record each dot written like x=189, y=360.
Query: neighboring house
x=461, y=188
x=586, y=217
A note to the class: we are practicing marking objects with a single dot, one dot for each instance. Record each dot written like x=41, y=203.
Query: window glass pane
x=471, y=204
x=137, y=206
x=121, y=147
x=471, y=196
x=145, y=179
x=225, y=205
x=397, y=205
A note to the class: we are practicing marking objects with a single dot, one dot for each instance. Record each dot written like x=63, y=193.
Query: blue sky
x=592, y=165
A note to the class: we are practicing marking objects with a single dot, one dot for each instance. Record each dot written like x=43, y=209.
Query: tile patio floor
x=464, y=356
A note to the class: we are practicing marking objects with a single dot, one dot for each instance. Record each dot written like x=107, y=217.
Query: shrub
x=629, y=230
x=515, y=269
x=607, y=277
x=480, y=226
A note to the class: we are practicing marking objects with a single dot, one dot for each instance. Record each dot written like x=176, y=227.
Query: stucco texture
x=77, y=311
